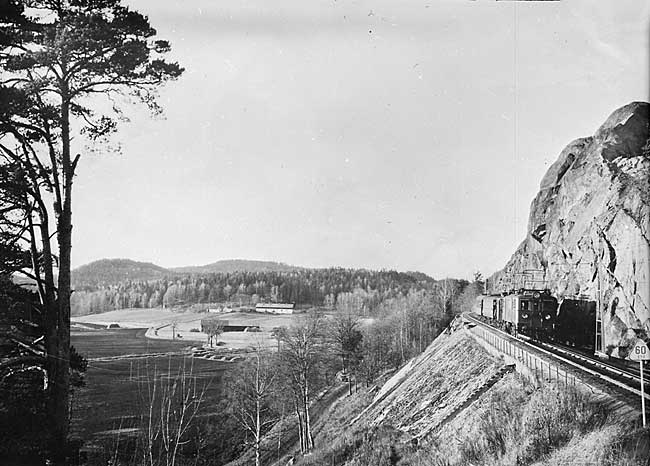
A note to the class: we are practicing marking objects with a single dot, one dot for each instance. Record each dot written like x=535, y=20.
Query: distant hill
x=237, y=265
x=112, y=271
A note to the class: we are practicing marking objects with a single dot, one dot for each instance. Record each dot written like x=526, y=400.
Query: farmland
x=112, y=398
x=187, y=321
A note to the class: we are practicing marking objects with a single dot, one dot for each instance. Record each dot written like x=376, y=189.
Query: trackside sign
x=639, y=352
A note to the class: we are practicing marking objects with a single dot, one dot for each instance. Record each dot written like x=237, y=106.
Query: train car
x=535, y=312
x=488, y=306
x=528, y=312
x=576, y=323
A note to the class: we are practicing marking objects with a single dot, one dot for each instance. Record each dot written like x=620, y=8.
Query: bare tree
x=251, y=389
x=213, y=328
x=171, y=403
x=446, y=291
x=302, y=351
x=345, y=333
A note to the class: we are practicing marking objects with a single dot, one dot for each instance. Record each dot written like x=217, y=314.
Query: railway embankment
x=472, y=399
x=542, y=367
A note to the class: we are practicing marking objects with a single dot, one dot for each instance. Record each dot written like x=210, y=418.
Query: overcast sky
x=409, y=135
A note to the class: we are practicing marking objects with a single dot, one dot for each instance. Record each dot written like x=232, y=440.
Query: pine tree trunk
x=51, y=324
x=60, y=395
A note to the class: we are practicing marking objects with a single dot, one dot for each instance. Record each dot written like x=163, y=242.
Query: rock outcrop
x=588, y=230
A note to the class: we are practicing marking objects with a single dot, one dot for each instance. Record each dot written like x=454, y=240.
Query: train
x=538, y=315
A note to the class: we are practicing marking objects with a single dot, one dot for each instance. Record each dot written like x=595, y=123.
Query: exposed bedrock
x=588, y=230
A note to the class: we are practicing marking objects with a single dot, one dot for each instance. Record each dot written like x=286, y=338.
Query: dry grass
x=514, y=425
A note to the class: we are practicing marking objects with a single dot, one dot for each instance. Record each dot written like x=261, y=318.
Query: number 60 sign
x=639, y=352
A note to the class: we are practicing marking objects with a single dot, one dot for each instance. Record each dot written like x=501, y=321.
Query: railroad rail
x=625, y=375
x=624, y=380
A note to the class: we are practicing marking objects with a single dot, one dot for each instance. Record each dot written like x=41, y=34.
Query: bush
x=630, y=449
x=378, y=446
x=525, y=425
x=22, y=415
x=553, y=416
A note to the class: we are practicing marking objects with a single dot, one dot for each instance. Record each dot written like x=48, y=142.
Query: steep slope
x=428, y=388
x=459, y=403
x=112, y=271
x=588, y=230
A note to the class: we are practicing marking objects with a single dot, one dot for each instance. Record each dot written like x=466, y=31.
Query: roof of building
x=275, y=305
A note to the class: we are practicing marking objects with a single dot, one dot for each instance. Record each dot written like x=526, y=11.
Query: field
x=112, y=399
x=161, y=319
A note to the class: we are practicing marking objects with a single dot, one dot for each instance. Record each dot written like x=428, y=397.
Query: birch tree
x=303, y=349
x=252, y=389
x=347, y=337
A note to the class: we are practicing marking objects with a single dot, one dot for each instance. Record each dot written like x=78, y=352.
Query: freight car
x=576, y=323
x=528, y=312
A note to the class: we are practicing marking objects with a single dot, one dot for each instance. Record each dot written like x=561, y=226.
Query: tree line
x=359, y=288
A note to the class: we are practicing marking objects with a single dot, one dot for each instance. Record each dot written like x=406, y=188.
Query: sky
x=383, y=134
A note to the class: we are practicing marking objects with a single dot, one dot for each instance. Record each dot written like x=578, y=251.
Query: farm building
x=206, y=323
x=226, y=326
x=276, y=308
x=219, y=310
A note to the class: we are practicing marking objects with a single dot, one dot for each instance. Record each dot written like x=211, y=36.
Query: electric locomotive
x=528, y=312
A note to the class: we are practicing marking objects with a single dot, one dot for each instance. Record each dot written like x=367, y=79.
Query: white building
x=275, y=308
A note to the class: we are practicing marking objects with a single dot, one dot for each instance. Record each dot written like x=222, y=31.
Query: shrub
x=630, y=449
x=521, y=426
x=552, y=416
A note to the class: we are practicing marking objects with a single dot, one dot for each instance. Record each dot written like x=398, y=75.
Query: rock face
x=588, y=230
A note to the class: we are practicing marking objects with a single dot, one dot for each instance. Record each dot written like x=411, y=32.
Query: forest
x=359, y=288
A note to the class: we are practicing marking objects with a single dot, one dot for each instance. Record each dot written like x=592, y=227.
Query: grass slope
x=112, y=396
x=512, y=424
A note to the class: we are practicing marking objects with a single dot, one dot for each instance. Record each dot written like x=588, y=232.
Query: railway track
x=625, y=375
x=624, y=378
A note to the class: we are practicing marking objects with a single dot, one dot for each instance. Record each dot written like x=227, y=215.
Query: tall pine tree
x=66, y=64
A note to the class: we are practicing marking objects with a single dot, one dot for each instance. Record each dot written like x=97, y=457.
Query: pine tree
x=61, y=60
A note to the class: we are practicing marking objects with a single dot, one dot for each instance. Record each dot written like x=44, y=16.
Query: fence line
x=538, y=367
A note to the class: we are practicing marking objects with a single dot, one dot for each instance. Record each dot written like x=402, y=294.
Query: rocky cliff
x=588, y=230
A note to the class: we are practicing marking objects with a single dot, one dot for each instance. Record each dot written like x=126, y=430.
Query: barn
x=276, y=308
